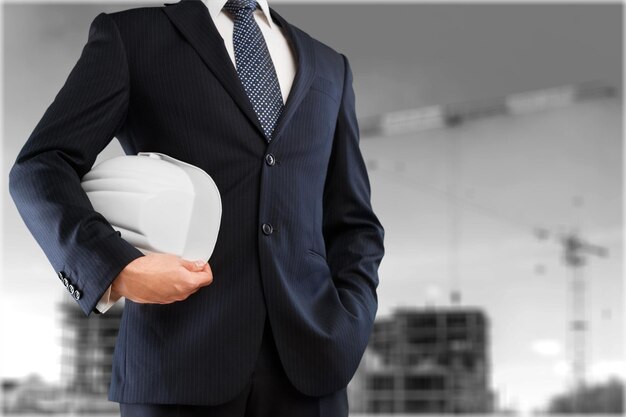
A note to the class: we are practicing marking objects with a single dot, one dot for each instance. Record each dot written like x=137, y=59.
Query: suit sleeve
x=44, y=181
x=352, y=232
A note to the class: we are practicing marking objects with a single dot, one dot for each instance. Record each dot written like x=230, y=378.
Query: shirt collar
x=215, y=7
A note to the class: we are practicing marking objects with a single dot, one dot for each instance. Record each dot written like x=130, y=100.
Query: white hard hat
x=157, y=203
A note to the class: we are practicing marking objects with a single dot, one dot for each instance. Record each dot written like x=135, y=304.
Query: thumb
x=197, y=265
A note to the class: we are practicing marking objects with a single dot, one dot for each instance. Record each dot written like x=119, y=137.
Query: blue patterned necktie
x=254, y=65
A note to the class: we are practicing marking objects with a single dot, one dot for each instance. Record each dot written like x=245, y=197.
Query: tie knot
x=235, y=6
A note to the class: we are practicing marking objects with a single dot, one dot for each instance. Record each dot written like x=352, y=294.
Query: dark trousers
x=268, y=394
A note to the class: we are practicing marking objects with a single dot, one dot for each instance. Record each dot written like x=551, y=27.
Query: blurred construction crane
x=454, y=115
x=576, y=252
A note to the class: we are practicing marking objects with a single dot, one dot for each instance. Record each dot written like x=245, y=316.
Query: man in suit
x=278, y=323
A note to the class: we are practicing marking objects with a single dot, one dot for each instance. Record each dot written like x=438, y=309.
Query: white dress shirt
x=280, y=49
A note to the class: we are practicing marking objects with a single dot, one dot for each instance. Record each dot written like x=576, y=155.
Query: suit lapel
x=192, y=19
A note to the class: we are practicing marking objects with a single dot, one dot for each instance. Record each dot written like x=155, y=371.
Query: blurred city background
x=493, y=138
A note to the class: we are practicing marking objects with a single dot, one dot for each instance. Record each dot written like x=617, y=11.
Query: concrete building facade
x=426, y=361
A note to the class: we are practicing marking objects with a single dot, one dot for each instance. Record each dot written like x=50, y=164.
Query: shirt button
x=269, y=159
x=267, y=228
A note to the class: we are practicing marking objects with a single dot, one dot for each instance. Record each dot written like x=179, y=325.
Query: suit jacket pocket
x=317, y=255
x=327, y=87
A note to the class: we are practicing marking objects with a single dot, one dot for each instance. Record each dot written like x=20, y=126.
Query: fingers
x=175, y=285
x=199, y=273
x=193, y=266
x=202, y=277
x=205, y=278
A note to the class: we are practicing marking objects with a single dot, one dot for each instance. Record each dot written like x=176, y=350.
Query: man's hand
x=159, y=278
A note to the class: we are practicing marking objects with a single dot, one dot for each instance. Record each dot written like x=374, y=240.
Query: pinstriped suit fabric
x=159, y=79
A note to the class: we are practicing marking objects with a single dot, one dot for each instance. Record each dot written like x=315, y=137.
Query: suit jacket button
x=61, y=275
x=70, y=288
x=66, y=282
x=267, y=228
x=269, y=159
x=77, y=295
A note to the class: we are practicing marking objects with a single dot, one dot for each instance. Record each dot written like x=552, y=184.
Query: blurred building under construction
x=426, y=361
x=87, y=345
x=87, y=354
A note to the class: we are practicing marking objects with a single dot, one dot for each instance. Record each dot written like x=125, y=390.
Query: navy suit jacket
x=159, y=79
